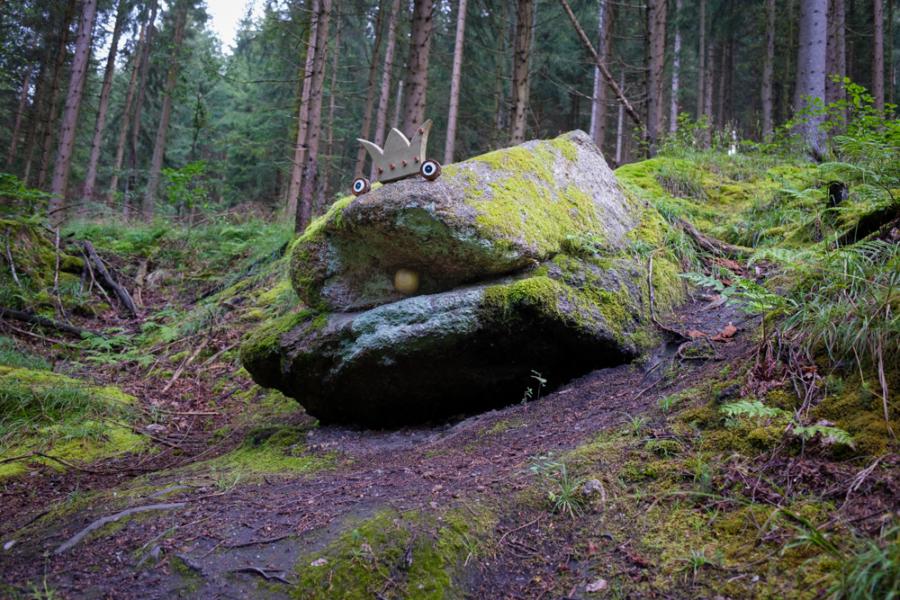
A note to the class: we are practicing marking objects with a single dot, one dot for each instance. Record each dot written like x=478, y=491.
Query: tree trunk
x=598, y=100
x=90, y=178
x=521, y=85
x=20, y=112
x=370, y=93
x=721, y=79
x=159, y=146
x=417, y=65
x=620, y=129
x=70, y=115
x=310, y=171
x=878, y=54
x=701, y=63
x=676, y=70
x=303, y=115
x=840, y=63
x=126, y=116
x=336, y=52
x=768, y=71
x=37, y=109
x=384, y=94
x=131, y=183
x=656, y=60
x=49, y=118
x=708, y=93
x=810, y=92
x=454, y=81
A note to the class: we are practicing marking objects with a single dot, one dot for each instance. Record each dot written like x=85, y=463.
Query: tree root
x=74, y=540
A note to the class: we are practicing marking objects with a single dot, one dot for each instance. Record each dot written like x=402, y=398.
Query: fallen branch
x=107, y=279
x=711, y=244
x=610, y=81
x=74, y=540
x=34, y=319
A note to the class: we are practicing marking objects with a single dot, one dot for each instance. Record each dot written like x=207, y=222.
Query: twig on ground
x=519, y=528
x=184, y=364
x=74, y=540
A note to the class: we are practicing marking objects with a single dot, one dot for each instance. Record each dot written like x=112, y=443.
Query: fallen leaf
x=596, y=586
x=694, y=334
x=726, y=334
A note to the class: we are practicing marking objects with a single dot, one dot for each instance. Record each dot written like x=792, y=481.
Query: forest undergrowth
x=760, y=461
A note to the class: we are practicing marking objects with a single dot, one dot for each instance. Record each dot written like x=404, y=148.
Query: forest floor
x=231, y=535
x=681, y=475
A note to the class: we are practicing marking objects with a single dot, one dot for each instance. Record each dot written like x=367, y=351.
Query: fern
x=753, y=409
x=829, y=434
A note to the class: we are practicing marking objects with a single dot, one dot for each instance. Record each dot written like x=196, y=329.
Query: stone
x=429, y=299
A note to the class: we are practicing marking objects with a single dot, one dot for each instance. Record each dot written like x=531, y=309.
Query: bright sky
x=224, y=18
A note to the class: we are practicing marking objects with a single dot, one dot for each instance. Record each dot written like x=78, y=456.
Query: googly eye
x=360, y=186
x=430, y=170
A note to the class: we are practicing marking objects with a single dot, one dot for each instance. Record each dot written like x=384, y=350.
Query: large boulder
x=431, y=299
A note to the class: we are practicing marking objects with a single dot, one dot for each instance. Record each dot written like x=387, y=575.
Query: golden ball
x=406, y=281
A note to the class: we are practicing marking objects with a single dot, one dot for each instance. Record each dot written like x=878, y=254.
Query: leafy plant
x=750, y=408
x=564, y=491
x=873, y=572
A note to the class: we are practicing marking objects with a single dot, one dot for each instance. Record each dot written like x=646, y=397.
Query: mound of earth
x=427, y=299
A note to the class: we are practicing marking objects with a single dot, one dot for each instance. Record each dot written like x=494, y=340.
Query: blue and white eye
x=430, y=169
x=360, y=186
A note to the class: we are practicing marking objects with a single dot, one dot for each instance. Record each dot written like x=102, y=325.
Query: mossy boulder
x=526, y=259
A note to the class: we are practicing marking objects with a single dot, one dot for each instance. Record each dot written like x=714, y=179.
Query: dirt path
x=241, y=540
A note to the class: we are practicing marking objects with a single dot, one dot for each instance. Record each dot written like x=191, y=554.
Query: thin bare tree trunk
x=63, y=163
x=521, y=85
x=768, y=72
x=370, y=93
x=126, y=117
x=398, y=104
x=131, y=183
x=310, y=170
x=159, y=146
x=455, y=77
x=878, y=54
x=20, y=113
x=384, y=95
x=303, y=115
x=90, y=178
x=49, y=120
x=810, y=92
x=701, y=62
x=598, y=100
x=620, y=128
x=708, y=88
x=676, y=70
x=417, y=65
x=326, y=172
x=37, y=110
x=656, y=60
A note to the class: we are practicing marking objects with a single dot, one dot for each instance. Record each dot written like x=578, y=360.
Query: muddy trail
x=173, y=533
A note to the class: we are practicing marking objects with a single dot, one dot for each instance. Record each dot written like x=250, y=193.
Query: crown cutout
x=400, y=157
